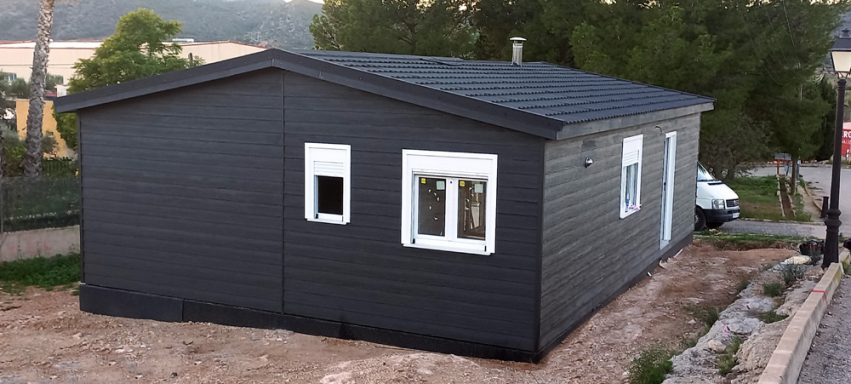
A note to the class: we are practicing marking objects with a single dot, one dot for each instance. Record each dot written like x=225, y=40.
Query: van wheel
x=699, y=219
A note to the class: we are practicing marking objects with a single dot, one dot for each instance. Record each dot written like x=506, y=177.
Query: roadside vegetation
x=727, y=360
x=42, y=272
x=651, y=366
x=757, y=197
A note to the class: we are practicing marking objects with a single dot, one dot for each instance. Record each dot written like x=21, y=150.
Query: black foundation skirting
x=122, y=303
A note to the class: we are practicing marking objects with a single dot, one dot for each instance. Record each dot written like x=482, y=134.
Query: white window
x=327, y=182
x=449, y=201
x=630, y=198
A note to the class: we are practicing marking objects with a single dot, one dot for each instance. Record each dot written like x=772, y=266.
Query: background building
x=17, y=57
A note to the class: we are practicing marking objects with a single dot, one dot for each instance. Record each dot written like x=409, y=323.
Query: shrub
x=743, y=284
x=791, y=273
x=728, y=359
x=771, y=317
x=706, y=314
x=651, y=366
x=772, y=289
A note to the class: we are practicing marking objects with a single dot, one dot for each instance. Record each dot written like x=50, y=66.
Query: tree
x=825, y=90
x=757, y=59
x=137, y=49
x=35, y=117
x=437, y=27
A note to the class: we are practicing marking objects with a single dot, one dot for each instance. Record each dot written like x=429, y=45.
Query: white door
x=668, y=167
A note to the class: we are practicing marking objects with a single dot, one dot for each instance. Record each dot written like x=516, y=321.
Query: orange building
x=22, y=108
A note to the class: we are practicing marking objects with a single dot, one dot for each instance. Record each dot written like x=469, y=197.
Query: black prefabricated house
x=473, y=207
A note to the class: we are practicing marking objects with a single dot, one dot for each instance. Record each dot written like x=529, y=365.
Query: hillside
x=275, y=22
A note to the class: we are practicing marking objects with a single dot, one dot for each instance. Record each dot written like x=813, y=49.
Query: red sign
x=846, y=140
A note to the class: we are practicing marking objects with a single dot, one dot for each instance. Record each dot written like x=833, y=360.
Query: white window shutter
x=326, y=160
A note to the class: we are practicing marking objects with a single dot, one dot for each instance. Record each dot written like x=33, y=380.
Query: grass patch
x=745, y=241
x=801, y=213
x=705, y=314
x=757, y=197
x=773, y=289
x=771, y=317
x=728, y=359
x=651, y=366
x=41, y=272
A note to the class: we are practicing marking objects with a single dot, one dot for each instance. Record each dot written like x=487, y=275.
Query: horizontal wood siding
x=589, y=253
x=183, y=192
x=360, y=273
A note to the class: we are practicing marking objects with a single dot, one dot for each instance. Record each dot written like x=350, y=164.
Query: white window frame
x=632, y=154
x=332, y=160
x=452, y=166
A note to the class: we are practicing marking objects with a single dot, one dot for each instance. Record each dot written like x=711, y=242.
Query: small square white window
x=449, y=201
x=327, y=182
x=630, y=197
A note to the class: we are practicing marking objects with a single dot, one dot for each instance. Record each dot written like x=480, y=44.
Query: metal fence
x=51, y=200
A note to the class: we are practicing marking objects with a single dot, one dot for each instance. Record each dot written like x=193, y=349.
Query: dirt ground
x=45, y=338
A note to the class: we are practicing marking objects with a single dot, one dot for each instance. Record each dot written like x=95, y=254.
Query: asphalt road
x=820, y=179
x=829, y=358
x=773, y=228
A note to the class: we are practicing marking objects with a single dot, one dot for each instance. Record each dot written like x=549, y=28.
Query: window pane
x=431, y=206
x=329, y=195
x=471, y=209
x=631, y=187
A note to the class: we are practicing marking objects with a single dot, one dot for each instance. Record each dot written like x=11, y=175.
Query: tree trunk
x=2, y=164
x=32, y=160
x=793, y=180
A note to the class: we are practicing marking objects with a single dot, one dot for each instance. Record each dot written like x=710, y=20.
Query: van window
x=703, y=174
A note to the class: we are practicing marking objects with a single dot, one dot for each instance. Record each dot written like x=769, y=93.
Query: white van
x=716, y=203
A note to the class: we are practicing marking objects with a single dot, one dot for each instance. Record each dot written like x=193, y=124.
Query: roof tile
x=562, y=93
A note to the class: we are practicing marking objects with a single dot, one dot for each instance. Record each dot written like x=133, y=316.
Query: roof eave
x=164, y=82
x=570, y=131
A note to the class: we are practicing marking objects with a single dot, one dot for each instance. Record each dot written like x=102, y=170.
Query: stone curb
x=791, y=351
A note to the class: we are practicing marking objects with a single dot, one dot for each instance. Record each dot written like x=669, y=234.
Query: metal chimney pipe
x=517, y=50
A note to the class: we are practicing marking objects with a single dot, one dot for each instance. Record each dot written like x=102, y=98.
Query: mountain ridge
x=272, y=22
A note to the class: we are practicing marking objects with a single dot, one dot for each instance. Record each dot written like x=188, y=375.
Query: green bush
x=41, y=272
x=727, y=361
x=791, y=273
x=772, y=289
x=771, y=317
x=706, y=314
x=651, y=366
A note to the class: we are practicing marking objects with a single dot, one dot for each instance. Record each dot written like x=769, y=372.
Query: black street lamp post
x=841, y=57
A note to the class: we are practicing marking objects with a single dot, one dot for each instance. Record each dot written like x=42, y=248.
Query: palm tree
x=32, y=161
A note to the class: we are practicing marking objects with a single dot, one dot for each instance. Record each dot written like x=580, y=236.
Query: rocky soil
x=45, y=338
x=741, y=322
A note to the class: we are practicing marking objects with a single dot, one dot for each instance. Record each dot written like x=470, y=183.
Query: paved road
x=774, y=228
x=830, y=355
x=820, y=179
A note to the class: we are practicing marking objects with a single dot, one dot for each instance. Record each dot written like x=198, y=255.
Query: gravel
x=830, y=355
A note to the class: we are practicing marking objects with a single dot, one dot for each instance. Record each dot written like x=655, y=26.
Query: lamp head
x=840, y=54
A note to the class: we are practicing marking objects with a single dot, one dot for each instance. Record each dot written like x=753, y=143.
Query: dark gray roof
x=537, y=98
